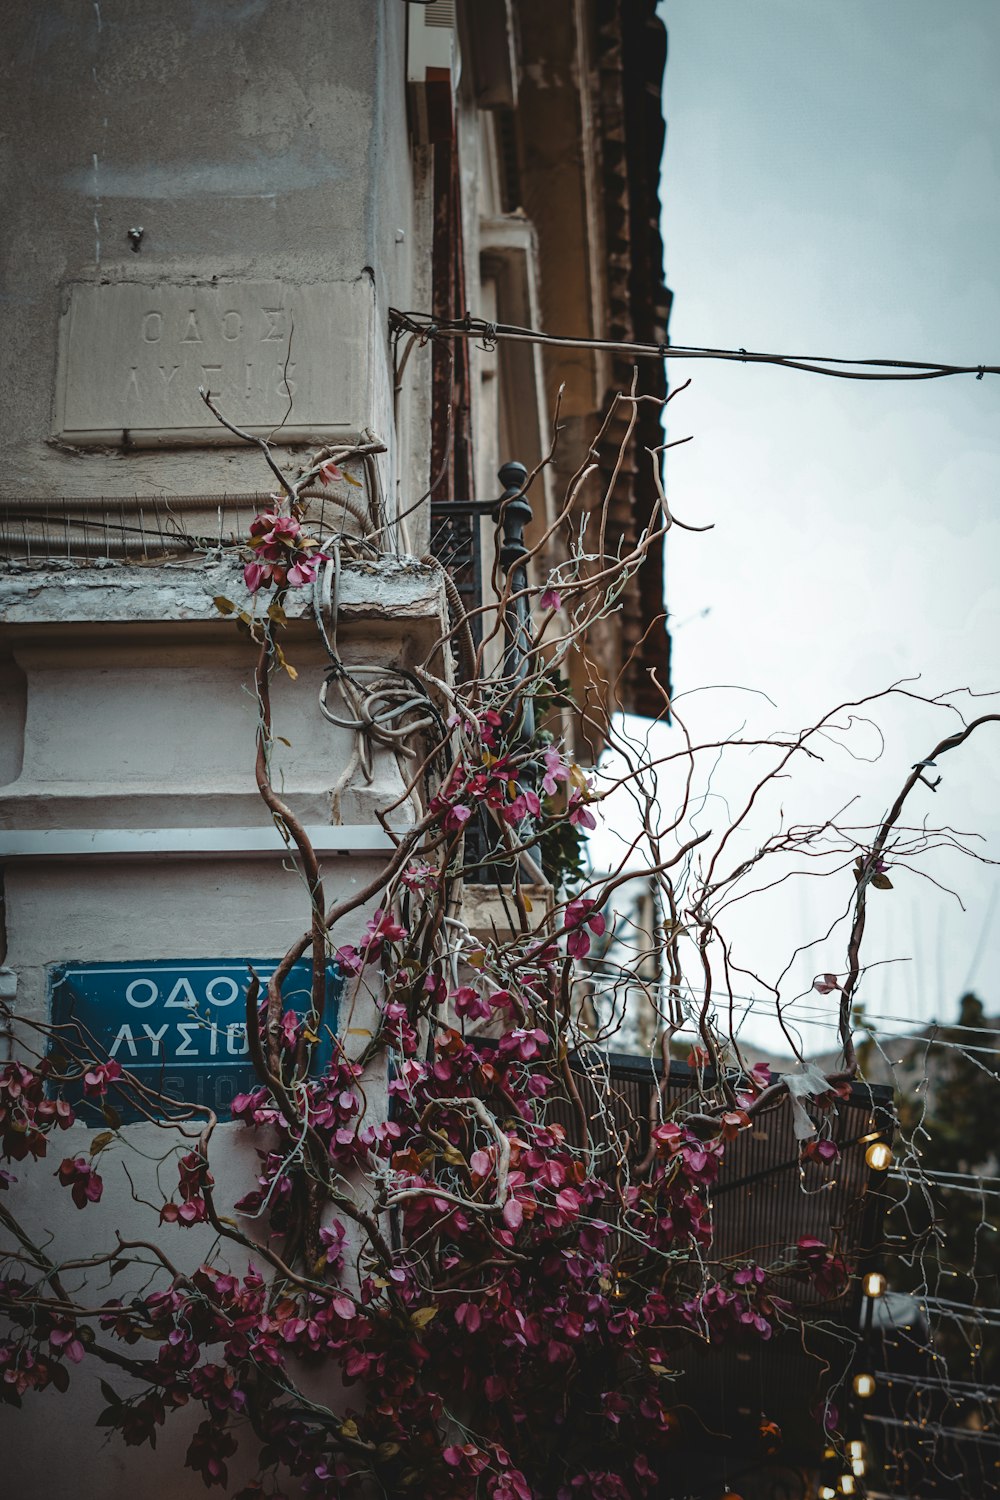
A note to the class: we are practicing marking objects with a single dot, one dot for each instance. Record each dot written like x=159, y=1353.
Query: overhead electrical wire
x=425, y=328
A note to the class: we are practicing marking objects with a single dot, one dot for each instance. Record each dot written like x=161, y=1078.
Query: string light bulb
x=878, y=1156
x=874, y=1284
x=847, y=1485
x=856, y=1448
x=826, y=1492
x=858, y=1466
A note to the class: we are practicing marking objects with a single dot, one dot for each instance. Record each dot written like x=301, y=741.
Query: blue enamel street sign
x=179, y=1026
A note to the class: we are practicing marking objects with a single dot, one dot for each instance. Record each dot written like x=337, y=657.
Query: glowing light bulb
x=864, y=1385
x=878, y=1156
x=826, y=1493
x=847, y=1486
x=858, y=1466
x=874, y=1284
x=856, y=1448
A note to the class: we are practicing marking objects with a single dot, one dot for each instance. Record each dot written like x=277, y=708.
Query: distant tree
x=955, y=1232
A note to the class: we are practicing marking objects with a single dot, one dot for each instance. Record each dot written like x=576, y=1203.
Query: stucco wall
x=263, y=148
x=140, y=716
x=252, y=140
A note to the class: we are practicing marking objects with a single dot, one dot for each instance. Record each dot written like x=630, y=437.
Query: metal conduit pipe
x=31, y=503
x=98, y=544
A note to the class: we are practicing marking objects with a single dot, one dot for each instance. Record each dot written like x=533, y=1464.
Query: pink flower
x=469, y=1003
x=348, y=959
x=511, y=1486
x=490, y=723
x=384, y=925
x=66, y=1340
x=513, y=1214
x=668, y=1135
x=761, y=1074
x=580, y=915
x=468, y=1316
x=578, y=814
x=584, y=913
x=418, y=875
x=826, y=983
x=256, y=574
x=749, y=1276
x=578, y=944
x=524, y=803
x=556, y=770
x=467, y=1457
x=77, y=1174
x=328, y=472
x=97, y=1078
x=303, y=570
x=272, y=528
x=551, y=599
x=523, y=1043
x=824, y=1150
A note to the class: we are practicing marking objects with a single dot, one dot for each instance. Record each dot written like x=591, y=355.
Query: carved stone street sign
x=273, y=356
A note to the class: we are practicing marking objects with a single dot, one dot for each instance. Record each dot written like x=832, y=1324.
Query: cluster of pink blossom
x=194, y=1177
x=500, y=782
x=283, y=555
x=27, y=1112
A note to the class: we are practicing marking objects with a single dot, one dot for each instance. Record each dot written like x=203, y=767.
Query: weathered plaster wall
x=140, y=711
x=138, y=714
x=263, y=148
x=252, y=140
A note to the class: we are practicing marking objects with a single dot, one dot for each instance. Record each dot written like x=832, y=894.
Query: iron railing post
x=513, y=512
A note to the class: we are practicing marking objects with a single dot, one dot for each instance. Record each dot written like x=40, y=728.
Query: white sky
x=832, y=187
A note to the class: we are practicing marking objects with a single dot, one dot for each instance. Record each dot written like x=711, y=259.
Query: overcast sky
x=832, y=186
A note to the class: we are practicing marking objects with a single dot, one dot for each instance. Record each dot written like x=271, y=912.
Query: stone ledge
x=390, y=589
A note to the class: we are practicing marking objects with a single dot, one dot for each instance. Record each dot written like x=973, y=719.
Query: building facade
x=230, y=198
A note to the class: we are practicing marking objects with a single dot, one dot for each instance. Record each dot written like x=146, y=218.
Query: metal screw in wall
x=135, y=237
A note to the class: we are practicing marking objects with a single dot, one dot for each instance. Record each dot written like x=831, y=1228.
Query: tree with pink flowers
x=462, y=1295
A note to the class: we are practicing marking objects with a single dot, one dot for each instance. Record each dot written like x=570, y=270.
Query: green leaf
x=112, y=1116
x=423, y=1316
x=223, y=605
x=882, y=882
x=102, y=1139
x=110, y=1394
x=356, y=482
x=118, y=1265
